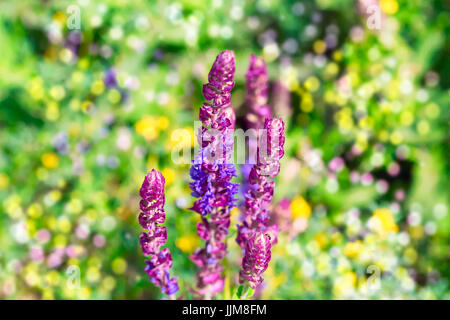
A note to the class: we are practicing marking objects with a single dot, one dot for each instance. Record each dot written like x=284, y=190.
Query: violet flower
x=212, y=175
x=152, y=214
x=260, y=194
x=256, y=259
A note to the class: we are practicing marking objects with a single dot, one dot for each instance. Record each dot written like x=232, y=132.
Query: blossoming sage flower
x=152, y=214
x=257, y=84
x=256, y=259
x=211, y=173
x=260, y=193
x=256, y=97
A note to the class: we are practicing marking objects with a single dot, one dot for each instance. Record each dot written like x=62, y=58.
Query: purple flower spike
x=256, y=259
x=152, y=214
x=257, y=84
x=212, y=175
x=261, y=185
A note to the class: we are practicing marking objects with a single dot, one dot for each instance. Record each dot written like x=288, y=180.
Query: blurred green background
x=362, y=199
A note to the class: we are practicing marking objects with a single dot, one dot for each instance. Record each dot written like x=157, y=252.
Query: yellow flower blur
x=300, y=208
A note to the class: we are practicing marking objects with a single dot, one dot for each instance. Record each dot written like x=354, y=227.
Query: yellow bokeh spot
x=52, y=111
x=109, y=283
x=119, y=266
x=57, y=92
x=306, y=103
x=383, y=135
x=55, y=195
x=84, y=63
x=75, y=206
x=383, y=221
x=389, y=6
x=65, y=55
x=47, y=294
x=396, y=138
x=31, y=227
x=64, y=225
x=271, y=52
x=59, y=17
x=337, y=55
x=423, y=127
x=416, y=232
x=331, y=69
x=41, y=173
x=146, y=127
x=169, y=175
x=410, y=255
x=187, y=244
x=51, y=223
x=312, y=84
x=385, y=107
x=52, y=278
x=321, y=239
x=329, y=96
x=432, y=110
x=35, y=210
x=162, y=123
x=319, y=46
x=114, y=96
x=4, y=181
x=50, y=160
x=85, y=292
x=365, y=122
x=300, y=208
x=345, y=283
x=77, y=77
x=60, y=241
x=406, y=118
x=353, y=249
x=98, y=87
x=93, y=274
x=234, y=213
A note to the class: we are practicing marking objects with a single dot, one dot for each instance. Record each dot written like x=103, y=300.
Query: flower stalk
x=261, y=190
x=212, y=172
x=151, y=216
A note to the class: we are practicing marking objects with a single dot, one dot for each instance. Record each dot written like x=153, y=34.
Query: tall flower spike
x=152, y=214
x=260, y=193
x=212, y=175
x=257, y=84
x=256, y=259
x=256, y=97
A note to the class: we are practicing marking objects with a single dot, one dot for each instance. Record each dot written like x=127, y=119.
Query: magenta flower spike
x=256, y=259
x=261, y=184
x=257, y=84
x=256, y=97
x=152, y=214
x=212, y=177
